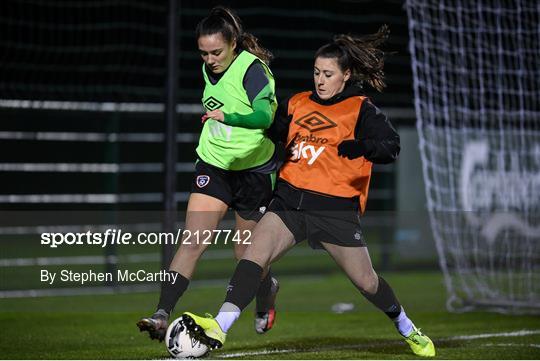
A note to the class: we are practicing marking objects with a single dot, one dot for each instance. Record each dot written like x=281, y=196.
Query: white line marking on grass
x=512, y=344
x=260, y=353
x=371, y=345
x=317, y=349
x=489, y=335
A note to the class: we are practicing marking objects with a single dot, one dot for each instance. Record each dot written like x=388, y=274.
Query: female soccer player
x=237, y=163
x=335, y=134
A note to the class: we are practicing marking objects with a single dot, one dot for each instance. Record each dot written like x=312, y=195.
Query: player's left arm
x=375, y=137
x=261, y=95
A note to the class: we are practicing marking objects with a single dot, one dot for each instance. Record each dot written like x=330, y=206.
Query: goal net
x=477, y=91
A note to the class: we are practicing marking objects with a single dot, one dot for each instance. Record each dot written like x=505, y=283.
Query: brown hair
x=359, y=54
x=224, y=21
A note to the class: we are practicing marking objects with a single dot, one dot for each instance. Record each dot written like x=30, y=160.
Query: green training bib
x=228, y=147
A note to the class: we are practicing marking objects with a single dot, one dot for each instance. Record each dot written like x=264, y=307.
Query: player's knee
x=260, y=258
x=368, y=283
x=239, y=252
x=193, y=250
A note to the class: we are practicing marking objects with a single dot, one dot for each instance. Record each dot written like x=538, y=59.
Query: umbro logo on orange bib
x=315, y=122
x=212, y=103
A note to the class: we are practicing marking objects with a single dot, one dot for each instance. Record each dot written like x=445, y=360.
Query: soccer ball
x=180, y=344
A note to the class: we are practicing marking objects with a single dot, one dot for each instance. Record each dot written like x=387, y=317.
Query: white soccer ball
x=180, y=344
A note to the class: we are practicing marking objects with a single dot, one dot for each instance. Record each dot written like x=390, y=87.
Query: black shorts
x=247, y=192
x=318, y=218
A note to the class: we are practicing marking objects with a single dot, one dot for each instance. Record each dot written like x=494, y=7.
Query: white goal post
x=477, y=99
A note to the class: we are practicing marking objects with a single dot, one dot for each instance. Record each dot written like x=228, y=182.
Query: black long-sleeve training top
x=379, y=139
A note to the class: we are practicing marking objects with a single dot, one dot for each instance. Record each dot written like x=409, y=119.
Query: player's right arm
x=279, y=129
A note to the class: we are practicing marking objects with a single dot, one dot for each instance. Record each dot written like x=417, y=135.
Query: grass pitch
x=103, y=327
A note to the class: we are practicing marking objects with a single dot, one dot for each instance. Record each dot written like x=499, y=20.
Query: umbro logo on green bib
x=212, y=103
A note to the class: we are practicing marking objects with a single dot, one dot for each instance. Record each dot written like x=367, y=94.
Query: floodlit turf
x=103, y=327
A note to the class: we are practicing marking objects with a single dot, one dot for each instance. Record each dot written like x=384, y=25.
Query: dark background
x=115, y=51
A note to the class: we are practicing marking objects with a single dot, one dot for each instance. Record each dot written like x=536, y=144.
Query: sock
x=171, y=292
x=228, y=314
x=403, y=324
x=385, y=299
x=264, y=292
x=161, y=312
x=244, y=284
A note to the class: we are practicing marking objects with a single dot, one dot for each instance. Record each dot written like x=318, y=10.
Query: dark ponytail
x=361, y=55
x=224, y=21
